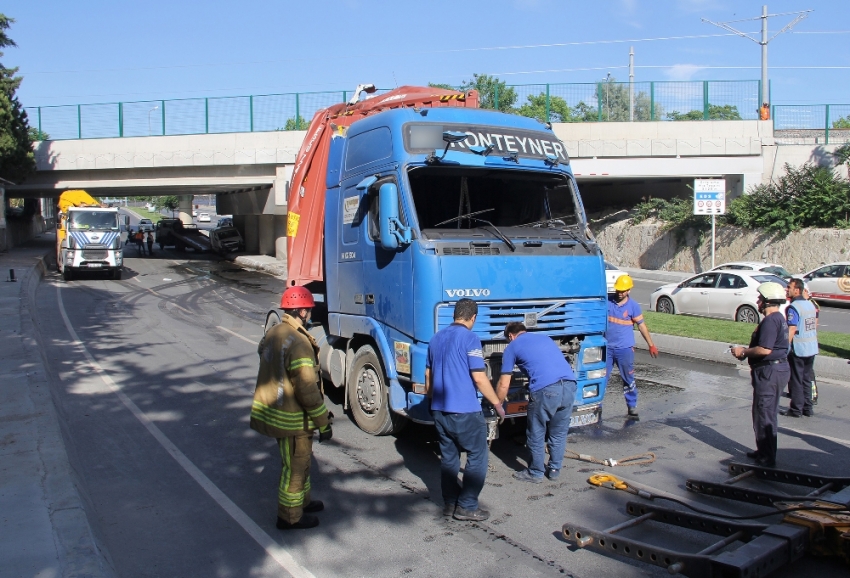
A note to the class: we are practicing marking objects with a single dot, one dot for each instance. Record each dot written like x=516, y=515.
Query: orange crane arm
x=306, y=210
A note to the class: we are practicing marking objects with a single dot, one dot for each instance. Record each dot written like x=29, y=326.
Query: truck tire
x=67, y=274
x=368, y=395
x=116, y=274
x=162, y=246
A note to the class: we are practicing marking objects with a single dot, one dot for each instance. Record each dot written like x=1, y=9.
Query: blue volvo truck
x=424, y=206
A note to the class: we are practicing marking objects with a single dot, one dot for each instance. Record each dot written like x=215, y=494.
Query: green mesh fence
x=812, y=123
x=565, y=102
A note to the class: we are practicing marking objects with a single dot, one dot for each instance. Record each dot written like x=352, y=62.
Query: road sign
x=709, y=196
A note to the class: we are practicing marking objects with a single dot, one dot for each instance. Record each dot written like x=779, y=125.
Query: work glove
x=326, y=433
x=653, y=351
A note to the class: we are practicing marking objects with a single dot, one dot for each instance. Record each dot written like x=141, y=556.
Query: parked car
x=204, y=218
x=146, y=225
x=612, y=273
x=830, y=282
x=772, y=268
x=721, y=294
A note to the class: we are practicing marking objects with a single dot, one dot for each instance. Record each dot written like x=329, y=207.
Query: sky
x=98, y=51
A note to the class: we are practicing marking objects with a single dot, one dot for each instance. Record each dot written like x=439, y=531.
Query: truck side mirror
x=393, y=233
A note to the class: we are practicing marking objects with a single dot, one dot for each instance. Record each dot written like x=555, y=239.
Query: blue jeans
x=465, y=432
x=625, y=360
x=549, y=411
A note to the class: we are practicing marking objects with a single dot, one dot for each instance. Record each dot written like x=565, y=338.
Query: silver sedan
x=721, y=294
x=830, y=282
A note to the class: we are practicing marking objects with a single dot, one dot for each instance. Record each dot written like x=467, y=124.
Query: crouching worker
x=289, y=404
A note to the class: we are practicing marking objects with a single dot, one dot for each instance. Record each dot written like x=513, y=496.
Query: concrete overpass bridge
x=615, y=163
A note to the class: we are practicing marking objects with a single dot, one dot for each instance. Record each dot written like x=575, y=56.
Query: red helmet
x=297, y=298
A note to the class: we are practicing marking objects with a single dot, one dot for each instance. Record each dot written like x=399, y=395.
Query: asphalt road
x=153, y=378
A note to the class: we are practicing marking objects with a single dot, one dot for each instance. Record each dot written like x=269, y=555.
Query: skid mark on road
x=272, y=547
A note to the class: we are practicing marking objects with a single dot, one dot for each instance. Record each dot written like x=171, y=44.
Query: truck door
x=350, y=247
x=387, y=275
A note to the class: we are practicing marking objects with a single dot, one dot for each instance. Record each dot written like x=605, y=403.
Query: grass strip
x=733, y=332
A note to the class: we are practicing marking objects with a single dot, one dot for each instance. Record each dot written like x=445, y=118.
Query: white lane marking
x=272, y=548
x=808, y=433
x=240, y=290
x=234, y=334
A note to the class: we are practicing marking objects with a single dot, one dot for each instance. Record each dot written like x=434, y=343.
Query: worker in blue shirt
x=552, y=391
x=454, y=374
x=623, y=314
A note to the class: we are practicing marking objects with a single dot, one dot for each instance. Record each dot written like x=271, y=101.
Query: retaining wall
x=646, y=246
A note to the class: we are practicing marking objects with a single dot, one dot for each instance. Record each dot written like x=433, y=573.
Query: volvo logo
x=468, y=292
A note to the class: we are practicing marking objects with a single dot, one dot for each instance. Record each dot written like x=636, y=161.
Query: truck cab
x=424, y=207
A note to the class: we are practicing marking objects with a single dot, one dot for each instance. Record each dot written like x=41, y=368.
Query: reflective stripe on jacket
x=805, y=343
x=288, y=399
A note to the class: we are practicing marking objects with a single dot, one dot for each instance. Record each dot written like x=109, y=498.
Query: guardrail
x=565, y=102
x=812, y=123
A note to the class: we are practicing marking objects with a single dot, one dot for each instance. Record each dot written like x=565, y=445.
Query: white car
x=772, y=268
x=204, y=218
x=194, y=213
x=722, y=294
x=611, y=276
x=146, y=225
x=830, y=282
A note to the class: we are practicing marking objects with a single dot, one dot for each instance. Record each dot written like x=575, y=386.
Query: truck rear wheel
x=368, y=395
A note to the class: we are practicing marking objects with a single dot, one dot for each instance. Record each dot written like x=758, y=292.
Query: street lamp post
x=607, y=101
x=149, y=118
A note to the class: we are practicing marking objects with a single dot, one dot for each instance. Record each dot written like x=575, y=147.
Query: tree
x=294, y=123
x=16, y=156
x=841, y=122
x=492, y=92
x=169, y=202
x=842, y=157
x=559, y=110
x=613, y=101
x=715, y=112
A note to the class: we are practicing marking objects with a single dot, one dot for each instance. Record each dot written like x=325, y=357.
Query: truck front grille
x=95, y=253
x=575, y=317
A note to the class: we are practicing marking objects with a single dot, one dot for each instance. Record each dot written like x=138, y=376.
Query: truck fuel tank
x=331, y=355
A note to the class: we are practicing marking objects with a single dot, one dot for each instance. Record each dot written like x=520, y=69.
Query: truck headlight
x=597, y=373
x=590, y=391
x=591, y=355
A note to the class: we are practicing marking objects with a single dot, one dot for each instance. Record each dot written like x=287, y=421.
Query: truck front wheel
x=67, y=274
x=368, y=395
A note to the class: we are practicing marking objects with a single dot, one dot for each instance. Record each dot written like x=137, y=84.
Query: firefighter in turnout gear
x=289, y=404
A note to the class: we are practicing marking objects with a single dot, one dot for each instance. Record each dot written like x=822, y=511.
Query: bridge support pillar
x=184, y=209
x=252, y=233
x=280, y=237
x=266, y=234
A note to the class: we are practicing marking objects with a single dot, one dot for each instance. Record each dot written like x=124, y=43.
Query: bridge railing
x=812, y=123
x=565, y=102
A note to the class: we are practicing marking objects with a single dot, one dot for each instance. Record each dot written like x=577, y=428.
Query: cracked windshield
x=464, y=199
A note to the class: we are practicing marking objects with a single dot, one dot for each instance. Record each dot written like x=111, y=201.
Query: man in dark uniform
x=769, y=370
x=454, y=370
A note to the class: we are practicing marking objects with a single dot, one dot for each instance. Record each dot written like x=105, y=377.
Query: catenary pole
x=764, y=41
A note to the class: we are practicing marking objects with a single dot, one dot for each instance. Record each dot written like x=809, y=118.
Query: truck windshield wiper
x=472, y=217
x=466, y=216
x=577, y=238
x=496, y=232
x=554, y=221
